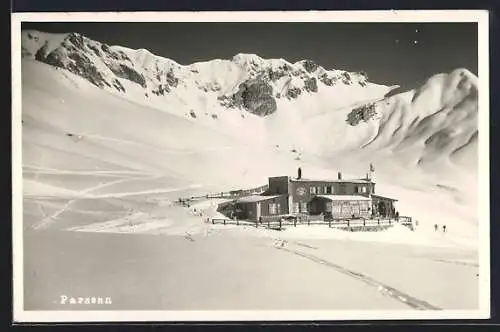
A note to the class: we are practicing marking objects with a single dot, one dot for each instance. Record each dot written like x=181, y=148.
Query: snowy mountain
x=246, y=82
x=88, y=105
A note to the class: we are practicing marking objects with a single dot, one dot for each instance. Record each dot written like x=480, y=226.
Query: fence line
x=228, y=194
x=278, y=222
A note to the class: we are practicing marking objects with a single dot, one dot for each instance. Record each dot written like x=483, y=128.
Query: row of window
x=299, y=208
x=274, y=208
x=326, y=190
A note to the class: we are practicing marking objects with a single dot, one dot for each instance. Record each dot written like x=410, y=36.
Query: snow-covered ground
x=220, y=271
x=101, y=173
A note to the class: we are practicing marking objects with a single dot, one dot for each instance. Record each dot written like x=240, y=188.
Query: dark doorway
x=381, y=209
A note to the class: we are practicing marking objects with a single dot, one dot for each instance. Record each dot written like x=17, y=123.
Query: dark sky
x=386, y=51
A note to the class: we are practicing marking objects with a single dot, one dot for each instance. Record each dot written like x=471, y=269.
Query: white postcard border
x=479, y=16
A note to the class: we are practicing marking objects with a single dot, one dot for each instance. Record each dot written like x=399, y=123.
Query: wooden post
x=237, y=222
x=213, y=221
x=308, y=221
x=295, y=222
x=330, y=223
x=280, y=224
x=268, y=222
x=224, y=221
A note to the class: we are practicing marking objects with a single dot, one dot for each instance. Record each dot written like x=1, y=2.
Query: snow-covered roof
x=344, y=197
x=363, y=181
x=384, y=197
x=255, y=198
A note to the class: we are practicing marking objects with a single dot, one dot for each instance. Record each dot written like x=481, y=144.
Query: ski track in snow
x=49, y=220
x=162, y=150
x=384, y=289
x=31, y=169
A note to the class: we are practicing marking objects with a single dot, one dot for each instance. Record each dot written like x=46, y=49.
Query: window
x=332, y=189
x=303, y=207
x=326, y=190
x=312, y=190
x=295, y=208
x=278, y=208
x=318, y=190
x=272, y=208
x=363, y=189
x=357, y=189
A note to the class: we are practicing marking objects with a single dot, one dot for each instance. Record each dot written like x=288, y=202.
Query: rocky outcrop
x=293, y=92
x=118, y=86
x=41, y=53
x=310, y=66
x=310, y=85
x=255, y=96
x=130, y=74
x=171, y=79
x=346, y=78
x=161, y=89
x=362, y=113
x=326, y=80
x=80, y=65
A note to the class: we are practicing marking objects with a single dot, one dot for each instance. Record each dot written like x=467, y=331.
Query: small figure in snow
x=444, y=228
x=435, y=227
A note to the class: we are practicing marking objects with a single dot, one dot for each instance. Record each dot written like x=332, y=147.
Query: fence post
x=213, y=221
x=330, y=223
x=224, y=221
x=389, y=221
x=268, y=222
x=295, y=222
x=364, y=222
x=308, y=221
x=237, y=222
x=348, y=223
x=280, y=224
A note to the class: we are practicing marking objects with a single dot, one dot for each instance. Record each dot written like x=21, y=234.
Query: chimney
x=340, y=176
x=299, y=173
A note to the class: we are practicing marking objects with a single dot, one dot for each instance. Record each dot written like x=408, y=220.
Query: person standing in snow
x=444, y=228
x=435, y=227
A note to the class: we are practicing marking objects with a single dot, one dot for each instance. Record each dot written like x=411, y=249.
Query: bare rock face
x=80, y=65
x=171, y=79
x=255, y=96
x=293, y=92
x=362, y=113
x=310, y=66
x=346, y=78
x=311, y=85
x=128, y=73
x=161, y=89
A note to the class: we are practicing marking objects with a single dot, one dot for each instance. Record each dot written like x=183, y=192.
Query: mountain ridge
x=437, y=118
x=247, y=75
